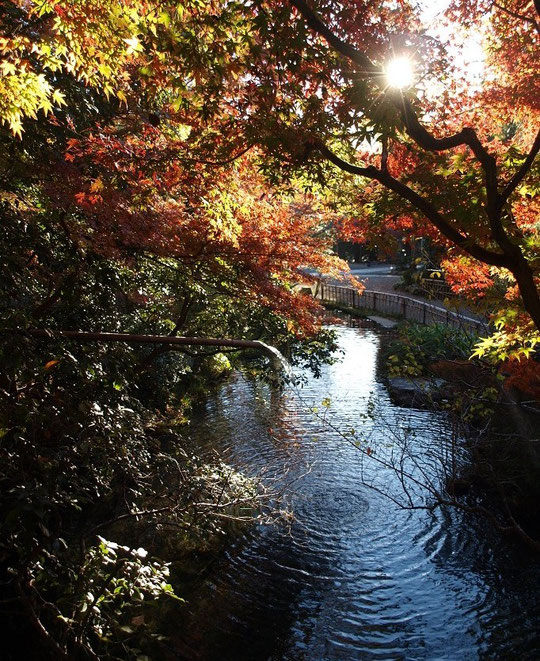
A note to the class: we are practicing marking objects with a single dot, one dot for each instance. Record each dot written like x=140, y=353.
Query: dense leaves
x=116, y=217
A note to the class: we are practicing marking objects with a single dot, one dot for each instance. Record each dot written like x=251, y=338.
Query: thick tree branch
x=333, y=40
x=132, y=338
x=512, y=257
x=418, y=132
x=426, y=140
x=423, y=205
x=415, y=129
x=519, y=17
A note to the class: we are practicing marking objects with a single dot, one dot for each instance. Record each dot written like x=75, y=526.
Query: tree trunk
x=529, y=292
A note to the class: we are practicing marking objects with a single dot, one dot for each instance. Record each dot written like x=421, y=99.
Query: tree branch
x=519, y=17
x=131, y=338
x=427, y=141
x=384, y=154
x=423, y=205
x=316, y=24
x=226, y=161
x=418, y=132
x=181, y=320
x=512, y=256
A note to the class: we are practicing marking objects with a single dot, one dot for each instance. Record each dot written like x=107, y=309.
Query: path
x=379, y=297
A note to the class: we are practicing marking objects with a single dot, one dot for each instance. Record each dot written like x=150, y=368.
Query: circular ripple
x=354, y=577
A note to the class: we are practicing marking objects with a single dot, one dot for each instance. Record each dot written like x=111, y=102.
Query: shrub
x=417, y=347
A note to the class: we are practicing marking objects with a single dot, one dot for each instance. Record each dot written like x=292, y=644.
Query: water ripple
x=355, y=577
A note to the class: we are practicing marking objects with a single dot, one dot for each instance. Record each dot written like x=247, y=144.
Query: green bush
x=418, y=346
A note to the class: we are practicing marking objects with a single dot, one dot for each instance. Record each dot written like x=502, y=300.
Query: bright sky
x=432, y=8
x=470, y=57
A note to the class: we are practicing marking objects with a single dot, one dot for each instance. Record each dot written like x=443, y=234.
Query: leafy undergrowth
x=471, y=389
x=92, y=484
x=417, y=347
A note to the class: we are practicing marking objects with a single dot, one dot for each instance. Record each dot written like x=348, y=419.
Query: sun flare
x=400, y=72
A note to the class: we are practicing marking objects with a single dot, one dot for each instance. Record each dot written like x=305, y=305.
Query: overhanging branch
x=316, y=24
x=413, y=126
x=132, y=338
x=423, y=205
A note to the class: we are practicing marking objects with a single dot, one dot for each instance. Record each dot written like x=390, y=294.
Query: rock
x=417, y=391
x=383, y=321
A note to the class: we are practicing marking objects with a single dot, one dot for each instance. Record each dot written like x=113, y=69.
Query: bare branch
x=132, y=338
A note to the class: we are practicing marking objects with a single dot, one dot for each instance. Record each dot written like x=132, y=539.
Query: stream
x=353, y=576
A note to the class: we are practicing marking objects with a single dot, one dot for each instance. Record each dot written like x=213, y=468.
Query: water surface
x=354, y=576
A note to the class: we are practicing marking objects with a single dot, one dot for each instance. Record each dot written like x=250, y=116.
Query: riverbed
x=353, y=575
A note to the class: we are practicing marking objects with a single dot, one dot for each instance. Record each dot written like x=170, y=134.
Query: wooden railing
x=396, y=305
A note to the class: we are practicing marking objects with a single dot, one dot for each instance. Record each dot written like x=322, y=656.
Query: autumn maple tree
x=305, y=88
x=163, y=171
x=453, y=160
x=462, y=159
x=307, y=82
x=173, y=168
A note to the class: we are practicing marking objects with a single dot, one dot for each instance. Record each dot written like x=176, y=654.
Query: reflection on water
x=355, y=577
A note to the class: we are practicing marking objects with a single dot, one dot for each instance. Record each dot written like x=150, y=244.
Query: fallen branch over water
x=132, y=338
